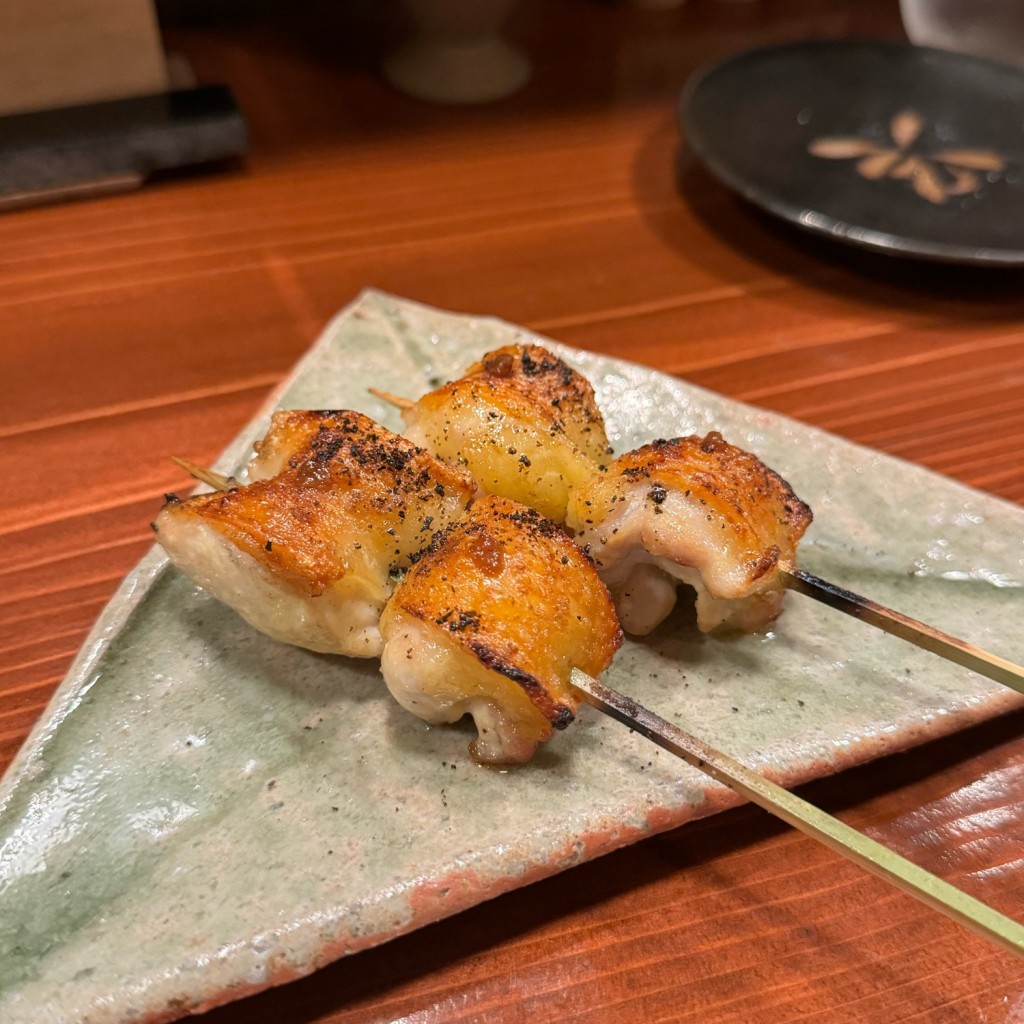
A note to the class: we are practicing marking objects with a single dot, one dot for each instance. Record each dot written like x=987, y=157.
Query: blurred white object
x=458, y=55
x=986, y=28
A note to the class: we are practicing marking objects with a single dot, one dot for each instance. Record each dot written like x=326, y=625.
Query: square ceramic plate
x=202, y=813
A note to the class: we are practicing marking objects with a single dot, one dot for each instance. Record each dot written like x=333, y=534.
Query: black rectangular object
x=50, y=150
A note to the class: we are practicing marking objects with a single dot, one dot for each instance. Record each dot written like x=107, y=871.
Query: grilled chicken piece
x=490, y=622
x=696, y=510
x=310, y=554
x=521, y=421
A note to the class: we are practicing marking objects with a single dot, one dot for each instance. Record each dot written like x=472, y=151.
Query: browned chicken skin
x=551, y=382
x=521, y=421
x=308, y=552
x=695, y=509
x=290, y=439
x=490, y=621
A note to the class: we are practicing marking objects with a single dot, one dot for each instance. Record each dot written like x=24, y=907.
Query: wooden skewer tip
x=217, y=481
x=392, y=399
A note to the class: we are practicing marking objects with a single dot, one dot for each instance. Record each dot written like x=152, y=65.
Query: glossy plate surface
x=901, y=149
x=202, y=812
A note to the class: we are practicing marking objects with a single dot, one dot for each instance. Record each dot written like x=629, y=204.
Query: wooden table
x=153, y=323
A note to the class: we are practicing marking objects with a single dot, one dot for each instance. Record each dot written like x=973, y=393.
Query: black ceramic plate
x=902, y=149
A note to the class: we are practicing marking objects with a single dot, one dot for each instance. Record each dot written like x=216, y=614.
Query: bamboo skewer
x=841, y=838
x=392, y=399
x=217, y=481
x=906, y=628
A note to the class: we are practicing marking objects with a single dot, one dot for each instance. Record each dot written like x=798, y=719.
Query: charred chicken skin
x=695, y=510
x=479, y=625
x=310, y=550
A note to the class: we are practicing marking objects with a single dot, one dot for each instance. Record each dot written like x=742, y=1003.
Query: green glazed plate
x=202, y=813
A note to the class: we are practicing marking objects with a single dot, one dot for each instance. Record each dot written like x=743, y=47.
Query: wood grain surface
x=155, y=323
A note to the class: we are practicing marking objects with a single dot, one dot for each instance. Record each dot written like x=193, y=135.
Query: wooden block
x=80, y=51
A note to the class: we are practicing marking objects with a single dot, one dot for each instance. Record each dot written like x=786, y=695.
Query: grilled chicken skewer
x=309, y=551
x=472, y=627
